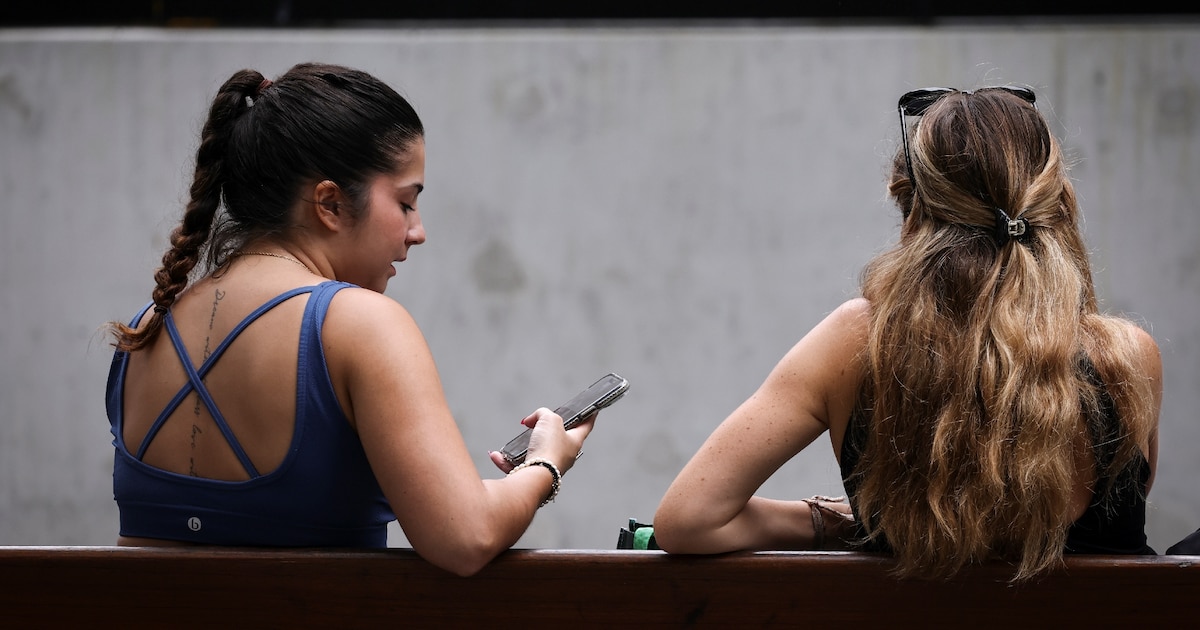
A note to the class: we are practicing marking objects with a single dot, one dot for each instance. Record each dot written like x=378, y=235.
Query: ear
x=329, y=205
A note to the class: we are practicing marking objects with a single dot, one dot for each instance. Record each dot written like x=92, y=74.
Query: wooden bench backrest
x=75, y=587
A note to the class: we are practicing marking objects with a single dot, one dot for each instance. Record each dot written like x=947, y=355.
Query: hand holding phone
x=604, y=392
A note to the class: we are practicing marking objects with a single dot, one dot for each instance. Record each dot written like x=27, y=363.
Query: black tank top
x=1114, y=522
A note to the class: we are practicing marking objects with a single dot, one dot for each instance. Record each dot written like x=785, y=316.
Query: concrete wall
x=677, y=205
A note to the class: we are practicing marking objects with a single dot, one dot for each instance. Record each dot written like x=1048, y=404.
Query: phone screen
x=599, y=395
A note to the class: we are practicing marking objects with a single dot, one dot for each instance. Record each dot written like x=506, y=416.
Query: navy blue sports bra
x=324, y=494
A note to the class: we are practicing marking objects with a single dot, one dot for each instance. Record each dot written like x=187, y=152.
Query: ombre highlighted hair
x=982, y=345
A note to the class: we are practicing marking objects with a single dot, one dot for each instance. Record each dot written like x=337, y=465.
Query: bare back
x=252, y=384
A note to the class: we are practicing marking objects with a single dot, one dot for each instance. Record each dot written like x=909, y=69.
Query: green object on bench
x=643, y=538
x=637, y=536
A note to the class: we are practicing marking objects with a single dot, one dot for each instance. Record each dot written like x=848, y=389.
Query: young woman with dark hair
x=270, y=394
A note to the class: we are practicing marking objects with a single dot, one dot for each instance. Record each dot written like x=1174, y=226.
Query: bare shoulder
x=1143, y=348
x=838, y=336
x=847, y=325
x=853, y=313
x=363, y=309
x=825, y=366
x=378, y=360
x=1148, y=347
x=363, y=325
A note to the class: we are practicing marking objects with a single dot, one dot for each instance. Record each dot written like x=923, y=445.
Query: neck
x=281, y=255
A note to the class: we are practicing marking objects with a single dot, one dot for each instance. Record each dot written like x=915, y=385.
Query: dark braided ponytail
x=189, y=238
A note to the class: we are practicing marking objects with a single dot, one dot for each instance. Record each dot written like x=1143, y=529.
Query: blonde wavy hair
x=977, y=382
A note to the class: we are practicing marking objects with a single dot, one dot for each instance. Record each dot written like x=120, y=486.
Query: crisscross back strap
x=196, y=380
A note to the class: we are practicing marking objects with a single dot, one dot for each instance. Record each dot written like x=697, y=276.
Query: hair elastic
x=160, y=309
x=266, y=83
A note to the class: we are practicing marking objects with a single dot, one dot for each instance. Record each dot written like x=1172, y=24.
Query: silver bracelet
x=556, y=478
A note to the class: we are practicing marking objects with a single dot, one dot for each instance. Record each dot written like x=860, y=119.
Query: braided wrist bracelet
x=818, y=516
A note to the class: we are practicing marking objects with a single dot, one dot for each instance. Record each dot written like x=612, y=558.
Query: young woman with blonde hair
x=980, y=405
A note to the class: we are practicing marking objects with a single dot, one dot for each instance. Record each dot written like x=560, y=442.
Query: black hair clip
x=1008, y=228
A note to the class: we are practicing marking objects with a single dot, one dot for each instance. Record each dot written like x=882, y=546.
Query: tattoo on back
x=218, y=295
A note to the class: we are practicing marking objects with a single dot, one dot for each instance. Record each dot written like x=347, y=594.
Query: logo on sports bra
x=194, y=523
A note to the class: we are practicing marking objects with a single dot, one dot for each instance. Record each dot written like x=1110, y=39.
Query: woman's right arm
x=711, y=507
x=388, y=382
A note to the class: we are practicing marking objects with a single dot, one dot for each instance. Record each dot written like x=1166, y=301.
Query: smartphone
x=599, y=395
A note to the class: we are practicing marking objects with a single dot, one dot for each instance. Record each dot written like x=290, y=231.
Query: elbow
x=669, y=533
x=466, y=566
x=668, y=542
x=678, y=530
x=463, y=556
x=673, y=541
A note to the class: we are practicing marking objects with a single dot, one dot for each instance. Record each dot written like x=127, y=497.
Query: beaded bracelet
x=556, y=482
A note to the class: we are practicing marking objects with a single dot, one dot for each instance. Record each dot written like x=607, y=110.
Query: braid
x=190, y=237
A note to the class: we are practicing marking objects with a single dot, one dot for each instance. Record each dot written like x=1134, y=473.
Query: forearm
x=761, y=524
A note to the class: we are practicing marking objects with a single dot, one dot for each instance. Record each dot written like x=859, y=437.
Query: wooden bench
x=88, y=587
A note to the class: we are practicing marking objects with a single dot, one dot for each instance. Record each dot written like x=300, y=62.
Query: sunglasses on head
x=917, y=102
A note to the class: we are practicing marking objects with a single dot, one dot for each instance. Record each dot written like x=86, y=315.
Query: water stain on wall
x=15, y=107
x=1176, y=111
x=496, y=269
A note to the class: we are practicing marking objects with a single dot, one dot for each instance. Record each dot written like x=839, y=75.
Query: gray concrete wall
x=677, y=205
